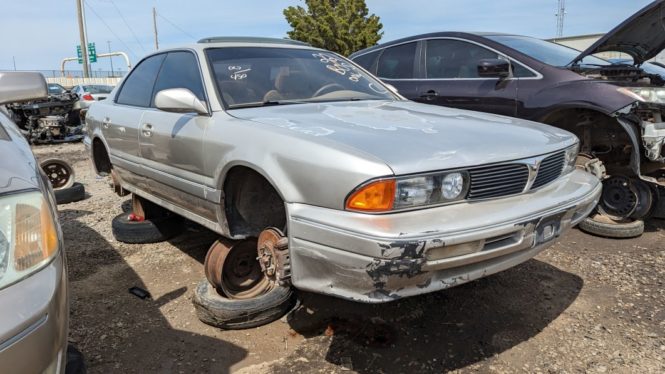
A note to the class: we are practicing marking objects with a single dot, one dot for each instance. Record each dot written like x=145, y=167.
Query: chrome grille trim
x=496, y=181
x=549, y=170
x=516, y=177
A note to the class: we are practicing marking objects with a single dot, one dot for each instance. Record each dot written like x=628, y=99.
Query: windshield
x=55, y=89
x=258, y=76
x=544, y=51
x=97, y=89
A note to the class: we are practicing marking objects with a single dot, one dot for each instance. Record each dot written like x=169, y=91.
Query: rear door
x=450, y=77
x=120, y=124
x=171, y=144
x=398, y=66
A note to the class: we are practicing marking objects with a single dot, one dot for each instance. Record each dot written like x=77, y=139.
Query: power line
x=176, y=26
x=128, y=26
x=111, y=30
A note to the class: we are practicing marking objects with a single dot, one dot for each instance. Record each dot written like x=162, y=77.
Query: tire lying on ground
x=152, y=230
x=604, y=226
x=69, y=195
x=216, y=310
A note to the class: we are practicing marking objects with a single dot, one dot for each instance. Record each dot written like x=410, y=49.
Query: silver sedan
x=379, y=197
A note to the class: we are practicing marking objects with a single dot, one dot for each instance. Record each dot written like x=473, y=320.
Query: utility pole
x=84, y=41
x=154, y=26
x=110, y=58
x=560, y=16
x=14, y=59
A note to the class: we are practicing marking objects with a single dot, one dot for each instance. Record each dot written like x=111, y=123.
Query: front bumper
x=379, y=258
x=34, y=323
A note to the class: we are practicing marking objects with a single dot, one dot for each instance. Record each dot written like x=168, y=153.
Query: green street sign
x=79, y=54
x=92, y=53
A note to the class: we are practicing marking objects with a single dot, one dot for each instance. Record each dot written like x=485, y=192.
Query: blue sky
x=39, y=36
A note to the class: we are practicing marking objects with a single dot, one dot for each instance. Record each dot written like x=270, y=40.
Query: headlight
x=408, y=192
x=570, y=158
x=28, y=236
x=645, y=94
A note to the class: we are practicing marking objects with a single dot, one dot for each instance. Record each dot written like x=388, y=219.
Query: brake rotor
x=619, y=199
x=233, y=269
x=271, y=242
x=59, y=173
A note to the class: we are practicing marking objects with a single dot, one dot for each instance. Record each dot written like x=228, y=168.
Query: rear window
x=98, y=89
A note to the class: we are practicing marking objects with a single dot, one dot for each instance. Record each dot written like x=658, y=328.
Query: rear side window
x=367, y=61
x=180, y=70
x=137, y=89
x=397, y=62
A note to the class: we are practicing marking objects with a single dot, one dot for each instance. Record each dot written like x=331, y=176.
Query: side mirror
x=494, y=68
x=21, y=86
x=179, y=100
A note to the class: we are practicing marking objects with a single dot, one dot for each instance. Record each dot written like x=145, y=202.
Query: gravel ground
x=586, y=305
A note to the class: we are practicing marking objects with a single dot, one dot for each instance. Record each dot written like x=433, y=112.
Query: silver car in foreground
x=379, y=197
x=34, y=305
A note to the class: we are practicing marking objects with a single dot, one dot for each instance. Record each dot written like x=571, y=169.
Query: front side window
x=259, y=76
x=137, y=89
x=447, y=58
x=397, y=62
x=180, y=70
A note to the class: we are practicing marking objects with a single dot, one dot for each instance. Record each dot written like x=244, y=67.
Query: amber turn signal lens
x=377, y=196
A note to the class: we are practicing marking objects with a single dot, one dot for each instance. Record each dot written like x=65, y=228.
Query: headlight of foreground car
x=645, y=94
x=28, y=236
x=409, y=192
x=571, y=158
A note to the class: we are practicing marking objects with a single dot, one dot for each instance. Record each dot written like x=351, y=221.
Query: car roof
x=458, y=34
x=238, y=41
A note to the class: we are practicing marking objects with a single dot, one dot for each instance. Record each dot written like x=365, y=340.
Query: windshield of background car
x=97, y=89
x=544, y=51
x=55, y=89
x=258, y=76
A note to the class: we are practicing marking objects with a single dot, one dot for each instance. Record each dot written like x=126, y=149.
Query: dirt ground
x=586, y=305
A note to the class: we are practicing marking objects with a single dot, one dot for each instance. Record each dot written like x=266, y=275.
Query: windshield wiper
x=259, y=104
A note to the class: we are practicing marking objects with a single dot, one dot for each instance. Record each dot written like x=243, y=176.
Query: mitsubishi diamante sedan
x=351, y=190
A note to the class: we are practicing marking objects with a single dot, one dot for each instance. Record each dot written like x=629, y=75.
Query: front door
x=450, y=78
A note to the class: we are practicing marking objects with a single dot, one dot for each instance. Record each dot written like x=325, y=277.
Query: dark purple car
x=615, y=110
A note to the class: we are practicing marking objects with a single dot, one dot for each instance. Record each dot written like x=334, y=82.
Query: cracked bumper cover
x=380, y=258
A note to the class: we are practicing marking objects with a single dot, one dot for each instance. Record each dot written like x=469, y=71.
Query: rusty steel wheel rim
x=59, y=173
x=235, y=271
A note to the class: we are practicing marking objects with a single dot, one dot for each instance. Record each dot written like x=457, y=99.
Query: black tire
x=218, y=311
x=153, y=230
x=75, y=361
x=612, y=230
x=70, y=195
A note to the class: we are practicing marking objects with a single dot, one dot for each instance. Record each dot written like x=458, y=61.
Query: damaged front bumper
x=380, y=258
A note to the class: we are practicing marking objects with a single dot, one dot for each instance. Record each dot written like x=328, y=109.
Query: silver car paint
x=35, y=311
x=315, y=155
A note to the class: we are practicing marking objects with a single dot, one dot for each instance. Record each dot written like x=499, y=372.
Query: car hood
x=411, y=137
x=642, y=36
x=19, y=173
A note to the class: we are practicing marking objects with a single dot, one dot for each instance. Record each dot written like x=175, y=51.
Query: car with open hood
x=615, y=109
x=327, y=180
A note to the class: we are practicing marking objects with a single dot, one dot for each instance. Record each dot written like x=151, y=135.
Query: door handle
x=106, y=122
x=429, y=95
x=147, y=130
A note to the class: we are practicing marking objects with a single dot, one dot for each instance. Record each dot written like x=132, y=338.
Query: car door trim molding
x=424, y=56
